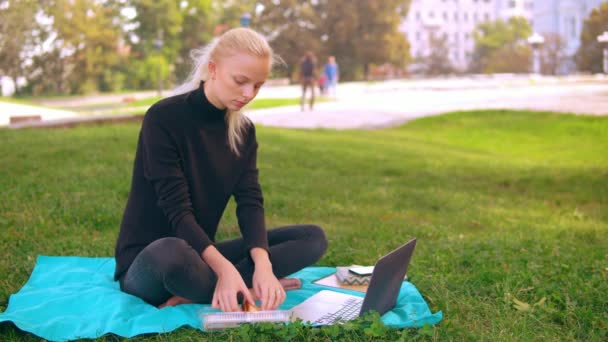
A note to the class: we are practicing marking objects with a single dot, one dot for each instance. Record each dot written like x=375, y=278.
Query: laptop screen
x=387, y=278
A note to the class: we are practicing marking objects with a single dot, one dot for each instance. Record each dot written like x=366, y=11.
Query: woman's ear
x=211, y=67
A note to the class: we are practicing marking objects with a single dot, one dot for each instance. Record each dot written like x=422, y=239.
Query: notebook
x=330, y=307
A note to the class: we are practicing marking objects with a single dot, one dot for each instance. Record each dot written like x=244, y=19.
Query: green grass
x=16, y=101
x=505, y=205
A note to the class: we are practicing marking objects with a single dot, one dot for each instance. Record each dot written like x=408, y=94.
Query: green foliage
x=368, y=328
x=80, y=55
x=589, y=54
x=17, y=28
x=93, y=45
x=145, y=73
x=506, y=206
x=358, y=33
x=553, y=53
x=501, y=46
x=438, y=61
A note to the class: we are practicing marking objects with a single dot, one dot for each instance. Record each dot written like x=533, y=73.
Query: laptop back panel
x=387, y=278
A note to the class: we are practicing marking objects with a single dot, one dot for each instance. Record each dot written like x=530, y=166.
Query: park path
x=388, y=103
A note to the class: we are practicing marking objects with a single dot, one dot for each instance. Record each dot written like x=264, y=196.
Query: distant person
x=195, y=151
x=332, y=75
x=322, y=83
x=308, y=68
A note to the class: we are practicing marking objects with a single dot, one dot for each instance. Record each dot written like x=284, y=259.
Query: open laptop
x=331, y=307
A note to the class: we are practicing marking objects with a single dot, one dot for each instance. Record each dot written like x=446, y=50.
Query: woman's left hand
x=267, y=287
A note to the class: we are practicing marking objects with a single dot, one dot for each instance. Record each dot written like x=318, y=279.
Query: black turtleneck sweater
x=183, y=176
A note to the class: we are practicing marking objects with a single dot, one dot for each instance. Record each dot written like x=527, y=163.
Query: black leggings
x=170, y=267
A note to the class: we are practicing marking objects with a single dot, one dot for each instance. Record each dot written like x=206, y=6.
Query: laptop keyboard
x=349, y=310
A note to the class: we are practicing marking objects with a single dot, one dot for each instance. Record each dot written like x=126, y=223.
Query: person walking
x=308, y=70
x=332, y=75
x=195, y=151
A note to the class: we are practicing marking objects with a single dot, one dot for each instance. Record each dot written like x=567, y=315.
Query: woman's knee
x=171, y=254
x=317, y=239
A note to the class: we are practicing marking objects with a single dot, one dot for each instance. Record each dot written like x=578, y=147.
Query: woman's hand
x=229, y=281
x=266, y=286
x=229, y=284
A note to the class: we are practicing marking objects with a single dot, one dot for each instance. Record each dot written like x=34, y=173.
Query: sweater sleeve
x=250, y=204
x=163, y=169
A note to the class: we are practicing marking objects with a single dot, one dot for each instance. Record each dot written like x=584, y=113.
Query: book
x=348, y=278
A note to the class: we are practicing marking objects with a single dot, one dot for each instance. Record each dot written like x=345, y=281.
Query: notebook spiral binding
x=223, y=320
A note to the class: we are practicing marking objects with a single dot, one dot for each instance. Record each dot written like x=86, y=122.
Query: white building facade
x=457, y=19
x=566, y=18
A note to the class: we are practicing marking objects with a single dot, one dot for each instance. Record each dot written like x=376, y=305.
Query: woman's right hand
x=229, y=284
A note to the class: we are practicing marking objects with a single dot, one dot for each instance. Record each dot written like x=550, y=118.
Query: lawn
x=508, y=207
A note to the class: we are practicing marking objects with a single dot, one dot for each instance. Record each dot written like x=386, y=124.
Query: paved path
x=392, y=103
x=382, y=104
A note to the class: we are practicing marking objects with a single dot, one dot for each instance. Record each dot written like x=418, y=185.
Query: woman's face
x=236, y=80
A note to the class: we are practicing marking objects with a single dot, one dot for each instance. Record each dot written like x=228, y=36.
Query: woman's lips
x=240, y=104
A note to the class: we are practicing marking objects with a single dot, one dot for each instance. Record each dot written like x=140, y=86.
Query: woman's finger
x=233, y=302
x=215, y=303
x=279, y=297
x=247, y=295
x=267, y=299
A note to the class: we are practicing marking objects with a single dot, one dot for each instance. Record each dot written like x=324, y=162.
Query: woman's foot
x=175, y=300
x=290, y=283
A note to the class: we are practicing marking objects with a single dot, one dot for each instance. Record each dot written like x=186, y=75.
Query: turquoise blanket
x=68, y=298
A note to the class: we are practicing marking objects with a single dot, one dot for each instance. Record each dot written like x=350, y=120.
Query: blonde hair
x=230, y=42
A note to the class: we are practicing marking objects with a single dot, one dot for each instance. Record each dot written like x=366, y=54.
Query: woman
x=195, y=151
x=308, y=66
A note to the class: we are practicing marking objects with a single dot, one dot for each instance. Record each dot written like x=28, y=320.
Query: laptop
x=331, y=307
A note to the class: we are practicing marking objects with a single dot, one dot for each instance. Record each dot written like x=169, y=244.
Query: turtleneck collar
x=203, y=108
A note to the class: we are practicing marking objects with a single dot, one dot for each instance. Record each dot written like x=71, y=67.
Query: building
x=456, y=20
x=566, y=18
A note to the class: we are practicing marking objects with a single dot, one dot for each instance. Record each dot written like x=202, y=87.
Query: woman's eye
x=239, y=82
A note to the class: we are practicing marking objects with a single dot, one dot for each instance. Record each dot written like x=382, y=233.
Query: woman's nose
x=248, y=91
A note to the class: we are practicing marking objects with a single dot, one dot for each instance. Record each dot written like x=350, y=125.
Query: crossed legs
x=169, y=267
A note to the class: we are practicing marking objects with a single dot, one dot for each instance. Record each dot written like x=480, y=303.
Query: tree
x=359, y=33
x=17, y=29
x=553, y=53
x=200, y=18
x=81, y=55
x=501, y=46
x=438, y=61
x=292, y=27
x=589, y=54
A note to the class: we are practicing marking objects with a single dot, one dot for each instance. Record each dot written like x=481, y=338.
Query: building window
x=466, y=17
x=418, y=36
x=512, y=4
x=475, y=17
x=456, y=37
x=418, y=16
x=456, y=16
x=486, y=17
x=573, y=27
x=445, y=16
x=431, y=14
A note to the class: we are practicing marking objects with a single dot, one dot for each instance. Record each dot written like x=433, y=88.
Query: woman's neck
x=207, y=89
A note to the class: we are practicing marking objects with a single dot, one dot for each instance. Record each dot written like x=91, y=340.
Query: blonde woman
x=195, y=151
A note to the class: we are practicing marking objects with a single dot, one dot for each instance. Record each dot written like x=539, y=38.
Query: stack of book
x=348, y=278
